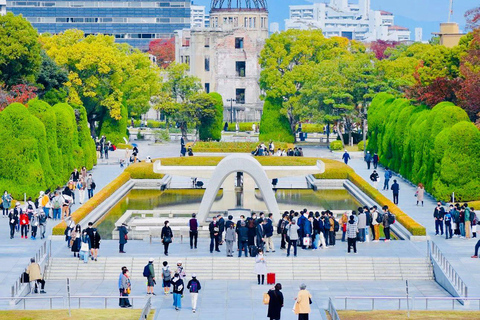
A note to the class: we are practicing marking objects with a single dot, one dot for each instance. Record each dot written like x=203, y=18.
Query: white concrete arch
x=238, y=163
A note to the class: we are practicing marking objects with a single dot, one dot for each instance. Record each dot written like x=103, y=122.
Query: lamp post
x=231, y=109
x=364, y=129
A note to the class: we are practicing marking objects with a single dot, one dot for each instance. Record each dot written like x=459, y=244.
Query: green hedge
x=67, y=138
x=336, y=145
x=274, y=125
x=360, y=146
x=427, y=146
x=312, y=127
x=85, y=141
x=212, y=129
x=244, y=147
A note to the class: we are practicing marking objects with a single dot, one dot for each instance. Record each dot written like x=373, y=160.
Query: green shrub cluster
x=436, y=147
x=116, y=130
x=242, y=126
x=244, y=147
x=312, y=127
x=41, y=146
x=336, y=145
x=274, y=125
x=361, y=146
x=211, y=129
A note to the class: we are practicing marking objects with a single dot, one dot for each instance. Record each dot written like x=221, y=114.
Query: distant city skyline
x=425, y=14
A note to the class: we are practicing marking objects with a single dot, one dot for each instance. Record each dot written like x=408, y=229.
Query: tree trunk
x=339, y=132
x=92, y=128
x=328, y=133
x=183, y=128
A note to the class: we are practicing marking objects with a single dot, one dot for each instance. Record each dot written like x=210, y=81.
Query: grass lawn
x=90, y=314
x=414, y=315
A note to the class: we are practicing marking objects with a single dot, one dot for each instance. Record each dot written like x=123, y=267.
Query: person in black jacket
x=214, y=229
x=95, y=241
x=178, y=287
x=221, y=228
x=13, y=217
x=194, y=287
x=166, y=236
x=260, y=234
x=242, y=239
x=439, y=214
x=276, y=302
x=395, y=189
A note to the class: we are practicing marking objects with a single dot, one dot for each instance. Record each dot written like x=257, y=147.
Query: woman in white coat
x=260, y=266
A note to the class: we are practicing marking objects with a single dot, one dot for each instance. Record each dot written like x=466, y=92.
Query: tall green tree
x=19, y=51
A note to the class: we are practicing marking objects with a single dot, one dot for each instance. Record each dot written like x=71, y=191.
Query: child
x=166, y=277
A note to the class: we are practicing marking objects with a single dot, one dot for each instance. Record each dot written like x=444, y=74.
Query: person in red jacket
x=24, y=223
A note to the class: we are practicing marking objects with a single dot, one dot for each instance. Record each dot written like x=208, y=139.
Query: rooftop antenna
x=450, y=11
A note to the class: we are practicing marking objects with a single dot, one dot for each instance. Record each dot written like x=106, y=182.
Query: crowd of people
x=30, y=218
x=262, y=150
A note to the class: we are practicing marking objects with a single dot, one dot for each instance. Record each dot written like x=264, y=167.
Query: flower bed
x=405, y=220
x=247, y=147
x=92, y=203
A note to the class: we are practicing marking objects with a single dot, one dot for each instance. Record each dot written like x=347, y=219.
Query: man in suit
x=214, y=234
x=395, y=190
x=260, y=233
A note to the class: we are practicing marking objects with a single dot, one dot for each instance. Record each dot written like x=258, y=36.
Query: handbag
x=84, y=246
x=167, y=239
x=310, y=300
x=126, y=237
x=307, y=241
x=129, y=290
x=266, y=298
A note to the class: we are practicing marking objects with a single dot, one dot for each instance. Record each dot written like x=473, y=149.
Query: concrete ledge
x=320, y=184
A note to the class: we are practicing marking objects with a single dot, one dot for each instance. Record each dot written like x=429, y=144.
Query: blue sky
x=426, y=14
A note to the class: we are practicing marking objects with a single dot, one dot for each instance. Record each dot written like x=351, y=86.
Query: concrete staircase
x=209, y=268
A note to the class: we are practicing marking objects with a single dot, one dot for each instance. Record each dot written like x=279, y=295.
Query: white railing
x=448, y=270
x=14, y=300
x=411, y=305
x=332, y=311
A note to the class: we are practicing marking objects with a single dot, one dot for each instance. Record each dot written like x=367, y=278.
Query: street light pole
x=364, y=130
x=231, y=109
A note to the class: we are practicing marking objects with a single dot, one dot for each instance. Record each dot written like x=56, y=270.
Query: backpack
x=167, y=276
x=146, y=271
x=93, y=185
x=336, y=225
x=42, y=218
x=194, y=287
x=448, y=217
x=56, y=203
x=30, y=207
x=379, y=217
x=391, y=218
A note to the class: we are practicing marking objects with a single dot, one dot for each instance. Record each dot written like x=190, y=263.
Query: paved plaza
x=236, y=299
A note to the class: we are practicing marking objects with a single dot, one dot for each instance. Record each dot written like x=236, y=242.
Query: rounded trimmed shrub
x=85, y=141
x=211, y=129
x=336, y=145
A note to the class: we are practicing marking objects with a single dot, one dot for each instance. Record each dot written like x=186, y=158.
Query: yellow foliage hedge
x=405, y=220
x=124, y=146
x=143, y=170
x=264, y=161
x=213, y=146
x=92, y=203
x=334, y=170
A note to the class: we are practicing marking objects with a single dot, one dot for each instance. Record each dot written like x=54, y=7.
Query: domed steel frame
x=238, y=4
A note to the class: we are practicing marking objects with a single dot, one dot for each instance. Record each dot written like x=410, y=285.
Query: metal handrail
x=146, y=309
x=24, y=299
x=404, y=298
x=448, y=270
x=332, y=310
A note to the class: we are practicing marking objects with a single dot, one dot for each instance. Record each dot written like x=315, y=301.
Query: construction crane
x=450, y=11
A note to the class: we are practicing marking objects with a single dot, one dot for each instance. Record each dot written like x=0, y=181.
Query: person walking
x=260, y=266
x=242, y=239
x=57, y=205
x=166, y=278
x=368, y=159
x=230, y=237
x=477, y=246
x=76, y=241
x=13, y=218
x=6, y=202
x=386, y=223
x=292, y=234
x=334, y=227
x=149, y=273
x=420, y=193
x=42, y=223
x=193, y=232
x=24, y=223
x=177, y=284
x=35, y=276
x=214, y=235
x=282, y=230
x=346, y=156
x=375, y=160
x=260, y=233
x=122, y=237
x=166, y=236
x=468, y=221
x=275, y=304
x=95, y=241
x=90, y=183
x=125, y=289
x=387, y=176
x=221, y=228
x=34, y=225
x=395, y=191
x=194, y=287
x=352, y=231
x=302, y=303
x=438, y=214
x=374, y=178
x=85, y=246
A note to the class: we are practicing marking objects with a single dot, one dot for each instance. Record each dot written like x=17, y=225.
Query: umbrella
x=134, y=144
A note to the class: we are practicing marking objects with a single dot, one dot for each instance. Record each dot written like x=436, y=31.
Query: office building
x=449, y=34
x=3, y=7
x=343, y=19
x=198, y=18
x=136, y=22
x=225, y=56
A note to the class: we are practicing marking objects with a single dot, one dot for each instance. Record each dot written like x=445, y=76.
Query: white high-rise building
x=343, y=19
x=418, y=35
x=198, y=18
x=3, y=7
